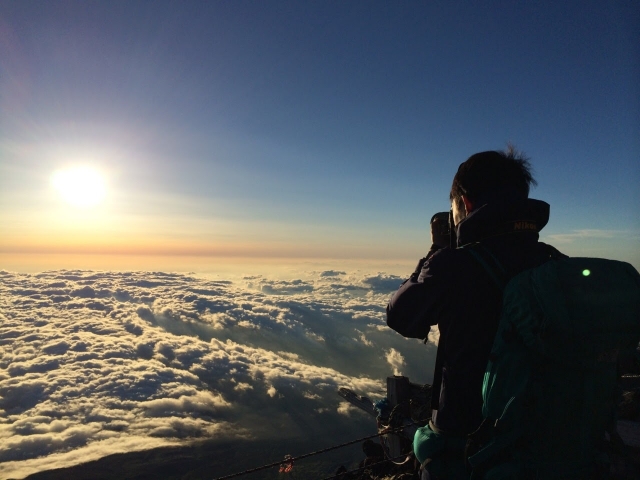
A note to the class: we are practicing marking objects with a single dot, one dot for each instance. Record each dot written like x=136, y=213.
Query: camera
x=442, y=233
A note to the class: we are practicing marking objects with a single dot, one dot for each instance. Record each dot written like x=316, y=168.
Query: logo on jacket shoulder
x=525, y=226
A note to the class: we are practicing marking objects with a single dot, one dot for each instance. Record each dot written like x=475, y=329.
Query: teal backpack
x=550, y=389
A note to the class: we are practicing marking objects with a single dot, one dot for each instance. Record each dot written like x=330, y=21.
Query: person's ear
x=468, y=205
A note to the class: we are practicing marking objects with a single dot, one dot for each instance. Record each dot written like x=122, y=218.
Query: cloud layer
x=93, y=363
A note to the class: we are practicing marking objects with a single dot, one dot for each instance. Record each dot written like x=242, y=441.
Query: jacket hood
x=504, y=215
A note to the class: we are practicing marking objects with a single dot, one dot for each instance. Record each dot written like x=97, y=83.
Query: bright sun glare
x=82, y=187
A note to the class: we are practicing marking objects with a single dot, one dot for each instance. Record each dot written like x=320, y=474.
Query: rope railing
x=318, y=452
x=386, y=460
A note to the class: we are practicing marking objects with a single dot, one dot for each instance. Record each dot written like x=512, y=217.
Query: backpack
x=550, y=388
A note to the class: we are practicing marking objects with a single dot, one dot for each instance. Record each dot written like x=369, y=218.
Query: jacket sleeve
x=419, y=301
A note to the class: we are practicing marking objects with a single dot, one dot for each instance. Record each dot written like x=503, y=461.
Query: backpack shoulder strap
x=499, y=276
x=490, y=263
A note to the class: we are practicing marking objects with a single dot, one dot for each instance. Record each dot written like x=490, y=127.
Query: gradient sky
x=315, y=129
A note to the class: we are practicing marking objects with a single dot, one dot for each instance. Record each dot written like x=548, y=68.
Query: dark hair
x=492, y=171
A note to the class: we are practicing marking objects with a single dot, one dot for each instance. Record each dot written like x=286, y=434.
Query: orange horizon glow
x=220, y=266
x=179, y=250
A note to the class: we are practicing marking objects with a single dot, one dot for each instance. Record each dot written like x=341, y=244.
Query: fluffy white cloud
x=434, y=335
x=346, y=409
x=94, y=363
x=396, y=360
x=584, y=234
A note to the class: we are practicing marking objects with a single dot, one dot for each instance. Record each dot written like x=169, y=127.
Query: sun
x=81, y=187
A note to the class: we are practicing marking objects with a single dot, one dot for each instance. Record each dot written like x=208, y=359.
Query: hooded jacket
x=452, y=290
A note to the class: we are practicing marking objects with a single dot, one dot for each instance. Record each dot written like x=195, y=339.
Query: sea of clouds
x=96, y=363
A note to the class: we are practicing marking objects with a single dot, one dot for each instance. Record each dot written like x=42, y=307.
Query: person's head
x=486, y=173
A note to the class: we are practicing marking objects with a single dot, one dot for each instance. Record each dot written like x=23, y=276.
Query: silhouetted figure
x=451, y=289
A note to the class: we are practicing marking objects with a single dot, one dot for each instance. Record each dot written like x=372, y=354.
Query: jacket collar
x=503, y=215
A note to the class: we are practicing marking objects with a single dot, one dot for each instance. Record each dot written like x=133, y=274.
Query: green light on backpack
x=586, y=272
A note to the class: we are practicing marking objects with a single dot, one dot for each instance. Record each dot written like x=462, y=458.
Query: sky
x=319, y=133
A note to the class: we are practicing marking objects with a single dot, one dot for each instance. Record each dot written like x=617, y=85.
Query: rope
x=337, y=475
x=393, y=422
x=385, y=449
x=306, y=455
